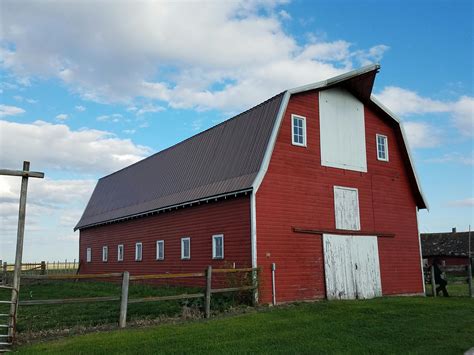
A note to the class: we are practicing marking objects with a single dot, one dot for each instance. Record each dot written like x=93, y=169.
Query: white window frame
x=385, y=138
x=358, y=206
x=139, y=257
x=293, y=117
x=214, y=245
x=158, y=242
x=89, y=255
x=185, y=257
x=120, y=252
x=105, y=253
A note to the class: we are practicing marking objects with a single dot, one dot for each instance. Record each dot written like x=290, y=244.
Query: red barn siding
x=298, y=191
x=230, y=217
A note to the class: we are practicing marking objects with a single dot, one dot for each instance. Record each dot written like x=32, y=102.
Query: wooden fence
x=459, y=271
x=126, y=278
x=40, y=268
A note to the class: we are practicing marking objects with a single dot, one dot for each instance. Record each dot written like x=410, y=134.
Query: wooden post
x=5, y=273
x=469, y=278
x=43, y=268
x=255, y=285
x=124, y=299
x=207, y=297
x=19, y=247
x=433, y=282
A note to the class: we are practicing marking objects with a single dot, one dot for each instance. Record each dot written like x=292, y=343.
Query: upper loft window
x=88, y=255
x=382, y=147
x=186, y=248
x=138, y=251
x=298, y=130
x=105, y=253
x=160, y=250
x=120, y=252
x=218, y=246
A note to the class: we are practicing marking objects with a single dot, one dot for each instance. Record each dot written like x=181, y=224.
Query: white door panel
x=351, y=265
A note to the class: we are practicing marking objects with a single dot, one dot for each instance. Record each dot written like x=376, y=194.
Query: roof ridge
x=194, y=136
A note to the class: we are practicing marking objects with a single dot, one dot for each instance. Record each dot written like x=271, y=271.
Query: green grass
x=43, y=317
x=384, y=325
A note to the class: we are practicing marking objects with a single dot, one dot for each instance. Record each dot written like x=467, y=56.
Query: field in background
x=384, y=325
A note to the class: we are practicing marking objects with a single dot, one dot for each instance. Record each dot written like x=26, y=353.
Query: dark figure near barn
x=439, y=279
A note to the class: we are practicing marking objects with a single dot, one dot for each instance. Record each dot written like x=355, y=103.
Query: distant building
x=318, y=180
x=452, y=248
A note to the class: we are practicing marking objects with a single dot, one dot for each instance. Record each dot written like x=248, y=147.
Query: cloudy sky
x=88, y=87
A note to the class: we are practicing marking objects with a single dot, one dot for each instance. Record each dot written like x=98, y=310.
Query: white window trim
x=183, y=257
x=158, y=242
x=357, y=199
x=292, y=130
x=88, y=255
x=377, y=146
x=214, y=237
x=105, y=253
x=136, y=251
x=120, y=255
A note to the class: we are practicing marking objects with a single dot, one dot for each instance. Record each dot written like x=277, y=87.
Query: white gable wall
x=342, y=129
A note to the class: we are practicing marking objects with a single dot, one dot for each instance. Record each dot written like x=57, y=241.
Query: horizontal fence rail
x=126, y=278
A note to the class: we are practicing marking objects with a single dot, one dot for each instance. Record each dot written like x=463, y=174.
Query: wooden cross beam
x=25, y=174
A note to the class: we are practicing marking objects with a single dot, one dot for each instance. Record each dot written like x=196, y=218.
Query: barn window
x=105, y=253
x=160, y=250
x=138, y=251
x=298, y=130
x=89, y=255
x=120, y=252
x=382, y=147
x=186, y=248
x=218, y=246
x=346, y=205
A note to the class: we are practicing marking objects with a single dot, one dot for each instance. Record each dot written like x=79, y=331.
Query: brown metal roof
x=446, y=244
x=223, y=159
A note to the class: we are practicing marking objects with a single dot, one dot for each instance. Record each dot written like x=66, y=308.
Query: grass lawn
x=43, y=317
x=384, y=325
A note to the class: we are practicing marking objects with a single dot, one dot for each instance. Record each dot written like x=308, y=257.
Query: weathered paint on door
x=352, y=267
x=346, y=207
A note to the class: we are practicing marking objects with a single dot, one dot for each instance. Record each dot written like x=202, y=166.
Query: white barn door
x=352, y=268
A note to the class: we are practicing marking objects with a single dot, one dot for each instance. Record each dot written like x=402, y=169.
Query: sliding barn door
x=352, y=268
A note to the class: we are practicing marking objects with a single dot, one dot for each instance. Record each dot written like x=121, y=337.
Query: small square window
x=138, y=251
x=298, y=136
x=88, y=255
x=186, y=248
x=120, y=252
x=160, y=250
x=218, y=246
x=382, y=147
x=105, y=253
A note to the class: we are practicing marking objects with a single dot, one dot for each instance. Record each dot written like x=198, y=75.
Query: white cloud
x=80, y=108
x=421, y=135
x=406, y=102
x=6, y=110
x=62, y=116
x=249, y=58
x=57, y=147
x=456, y=158
x=115, y=117
x=468, y=202
x=149, y=109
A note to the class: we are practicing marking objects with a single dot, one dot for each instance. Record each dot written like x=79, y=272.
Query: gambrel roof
x=229, y=158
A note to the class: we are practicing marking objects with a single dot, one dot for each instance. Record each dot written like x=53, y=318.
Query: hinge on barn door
x=7, y=322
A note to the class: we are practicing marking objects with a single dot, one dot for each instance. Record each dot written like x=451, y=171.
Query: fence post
x=469, y=277
x=207, y=298
x=255, y=285
x=433, y=282
x=124, y=299
x=43, y=268
x=5, y=273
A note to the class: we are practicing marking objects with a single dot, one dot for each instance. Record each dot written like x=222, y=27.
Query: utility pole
x=25, y=174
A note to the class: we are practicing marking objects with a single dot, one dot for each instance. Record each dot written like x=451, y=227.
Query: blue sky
x=88, y=88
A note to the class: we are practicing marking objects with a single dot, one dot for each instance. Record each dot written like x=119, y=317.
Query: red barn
x=317, y=180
